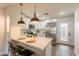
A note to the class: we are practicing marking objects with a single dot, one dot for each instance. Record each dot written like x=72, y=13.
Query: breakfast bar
x=41, y=46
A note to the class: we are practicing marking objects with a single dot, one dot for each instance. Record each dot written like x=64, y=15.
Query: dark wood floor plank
x=63, y=50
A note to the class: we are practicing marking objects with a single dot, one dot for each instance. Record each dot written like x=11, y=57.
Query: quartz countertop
x=40, y=43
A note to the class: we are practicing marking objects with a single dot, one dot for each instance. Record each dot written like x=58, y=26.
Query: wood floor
x=63, y=50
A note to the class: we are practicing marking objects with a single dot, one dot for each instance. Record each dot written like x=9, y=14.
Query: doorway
x=64, y=33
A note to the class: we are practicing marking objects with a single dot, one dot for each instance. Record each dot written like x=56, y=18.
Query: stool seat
x=27, y=52
x=24, y=52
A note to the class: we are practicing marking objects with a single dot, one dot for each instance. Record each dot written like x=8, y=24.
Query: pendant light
x=21, y=20
x=34, y=20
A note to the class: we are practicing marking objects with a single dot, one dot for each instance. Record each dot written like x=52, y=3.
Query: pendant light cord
x=21, y=9
x=34, y=9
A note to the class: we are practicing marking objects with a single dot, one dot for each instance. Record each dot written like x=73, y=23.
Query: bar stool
x=23, y=52
x=12, y=49
x=17, y=50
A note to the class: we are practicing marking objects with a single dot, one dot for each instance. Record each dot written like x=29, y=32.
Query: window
x=64, y=32
x=8, y=24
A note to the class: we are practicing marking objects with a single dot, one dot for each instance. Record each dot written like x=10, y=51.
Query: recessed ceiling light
x=61, y=13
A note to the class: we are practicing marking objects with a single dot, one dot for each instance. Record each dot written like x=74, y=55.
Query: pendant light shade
x=34, y=19
x=21, y=20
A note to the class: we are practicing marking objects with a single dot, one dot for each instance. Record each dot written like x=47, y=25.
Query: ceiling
x=52, y=9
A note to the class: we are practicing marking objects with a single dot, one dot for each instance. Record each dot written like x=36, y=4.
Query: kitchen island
x=41, y=46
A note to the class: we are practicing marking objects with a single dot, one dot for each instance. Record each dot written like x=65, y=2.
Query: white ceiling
x=52, y=8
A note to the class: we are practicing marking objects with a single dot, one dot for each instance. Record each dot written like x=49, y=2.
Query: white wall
x=70, y=21
x=76, y=38
x=14, y=16
x=2, y=30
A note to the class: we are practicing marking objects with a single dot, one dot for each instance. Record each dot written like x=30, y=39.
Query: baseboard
x=66, y=44
x=4, y=55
